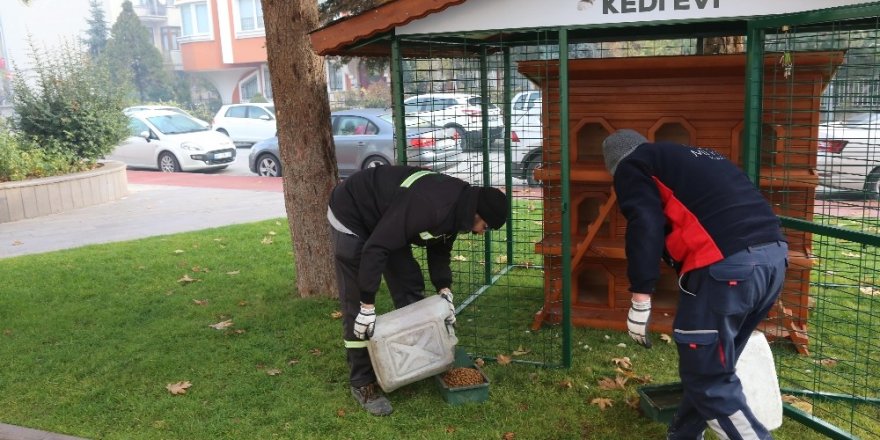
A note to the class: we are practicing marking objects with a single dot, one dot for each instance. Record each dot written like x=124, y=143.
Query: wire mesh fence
x=504, y=103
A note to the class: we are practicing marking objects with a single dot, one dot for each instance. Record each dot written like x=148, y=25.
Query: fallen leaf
x=201, y=302
x=666, y=338
x=850, y=254
x=632, y=401
x=565, y=384
x=336, y=314
x=271, y=233
x=178, y=251
x=602, y=402
x=242, y=303
x=623, y=362
x=178, y=388
x=218, y=239
x=459, y=258
x=870, y=291
x=293, y=362
x=200, y=269
x=186, y=279
x=621, y=345
x=222, y=325
x=520, y=351
x=508, y=436
x=621, y=381
x=273, y=372
x=607, y=383
x=798, y=403
x=502, y=359
x=450, y=429
x=239, y=331
x=315, y=352
x=827, y=362
x=266, y=240
x=479, y=362
x=17, y=243
x=501, y=259
x=340, y=412
x=234, y=272
x=7, y=332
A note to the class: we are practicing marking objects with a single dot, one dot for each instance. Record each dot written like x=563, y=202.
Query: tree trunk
x=305, y=141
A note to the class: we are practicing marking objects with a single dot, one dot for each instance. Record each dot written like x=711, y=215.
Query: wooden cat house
x=694, y=100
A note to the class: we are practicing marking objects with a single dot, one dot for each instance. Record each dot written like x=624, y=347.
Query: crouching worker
x=694, y=208
x=376, y=216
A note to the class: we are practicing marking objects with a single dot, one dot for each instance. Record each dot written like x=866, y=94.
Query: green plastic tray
x=467, y=394
x=660, y=402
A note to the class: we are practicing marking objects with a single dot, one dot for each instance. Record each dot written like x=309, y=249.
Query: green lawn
x=90, y=337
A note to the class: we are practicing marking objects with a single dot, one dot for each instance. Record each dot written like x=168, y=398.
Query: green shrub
x=69, y=108
x=20, y=162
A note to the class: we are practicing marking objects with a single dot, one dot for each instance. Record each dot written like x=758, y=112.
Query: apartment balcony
x=151, y=11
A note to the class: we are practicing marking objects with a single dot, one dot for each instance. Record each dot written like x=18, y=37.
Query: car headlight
x=190, y=146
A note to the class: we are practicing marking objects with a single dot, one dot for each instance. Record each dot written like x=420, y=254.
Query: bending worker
x=695, y=209
x=376, y=216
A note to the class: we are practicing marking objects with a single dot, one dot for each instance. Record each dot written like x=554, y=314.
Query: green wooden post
x=566, y=197
x=397, y=101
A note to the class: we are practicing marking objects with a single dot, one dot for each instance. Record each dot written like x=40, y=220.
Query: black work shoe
x=371, y=398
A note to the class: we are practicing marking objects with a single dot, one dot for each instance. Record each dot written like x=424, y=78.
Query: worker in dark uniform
x=376, y=216
x=696, y=210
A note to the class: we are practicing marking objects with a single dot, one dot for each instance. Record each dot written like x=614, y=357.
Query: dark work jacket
x=691, y=201
x=373, y=205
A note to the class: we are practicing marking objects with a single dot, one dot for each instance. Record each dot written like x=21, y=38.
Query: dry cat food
x=462, y=377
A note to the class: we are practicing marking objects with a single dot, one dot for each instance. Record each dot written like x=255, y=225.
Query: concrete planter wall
x=51, y=195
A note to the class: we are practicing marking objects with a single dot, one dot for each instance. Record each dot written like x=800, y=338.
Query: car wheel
x=374, y=161
x=168, y=163
x=467, y=144
x=533, y=164
x=872, y=185
x=268, y=166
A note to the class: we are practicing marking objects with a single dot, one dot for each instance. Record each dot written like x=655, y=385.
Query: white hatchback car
x=849, y=154
x=171, y=141
x=458, y=111
x=246, y=124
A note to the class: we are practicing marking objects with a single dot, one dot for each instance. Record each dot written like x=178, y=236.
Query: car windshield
x=271, y=109
x=176, y=124
x=477, y=101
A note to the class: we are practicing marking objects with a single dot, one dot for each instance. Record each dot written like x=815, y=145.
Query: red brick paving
x=203, y=180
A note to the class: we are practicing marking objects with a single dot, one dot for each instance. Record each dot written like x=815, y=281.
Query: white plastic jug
x=412, y=343
x=757, y=373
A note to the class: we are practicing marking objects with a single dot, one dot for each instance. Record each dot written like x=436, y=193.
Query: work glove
x=365, y=323
x=637, y=322
x=446, y=294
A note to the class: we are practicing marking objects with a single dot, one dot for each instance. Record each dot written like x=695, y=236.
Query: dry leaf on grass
x=798, y=403
x=870, y=291
x=340, y=412
x=178, y=388
x=242, y=303
x=200, y=302
x=607, y=383
x=293, y=361
x=508, y=436
x=266, y=240
x=459, y=258
x=336, y=314
x=501, y=259
x=602, y=402
x=316, y=352
x=850, y=254
x=632, y=401
x=623, y=362
x=271, y=233
x=178, y=251
x=186, y=279
x=565, y=384
x=520, y=351
x=200, y=269
x=479, y=362
x=828, y=363
x=234, y=272
x=666, y=338
x=503, y=360
x=222, y=325
x=273, y=372
x=450, y=429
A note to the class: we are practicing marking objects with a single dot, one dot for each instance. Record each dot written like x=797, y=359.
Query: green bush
x=20, y=162
x=69, y=108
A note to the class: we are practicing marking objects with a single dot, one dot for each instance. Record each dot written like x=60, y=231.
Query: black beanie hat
x=492, y=206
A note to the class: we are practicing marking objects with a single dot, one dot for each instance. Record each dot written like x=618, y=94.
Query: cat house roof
x=370, y=32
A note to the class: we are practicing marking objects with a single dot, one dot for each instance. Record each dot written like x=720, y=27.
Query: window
x=335, y=78
x=239, y=111
x=169, y=38
x=267, y=83
x=354, y=125
x=250, y=88
x=257, y=113
x=250, y=14
x=136, y=127
x=194, y=18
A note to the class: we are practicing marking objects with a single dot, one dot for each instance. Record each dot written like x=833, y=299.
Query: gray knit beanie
x=619, y=145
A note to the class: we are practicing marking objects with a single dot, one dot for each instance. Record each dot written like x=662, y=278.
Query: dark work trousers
x=719, y=307
x=403, y=275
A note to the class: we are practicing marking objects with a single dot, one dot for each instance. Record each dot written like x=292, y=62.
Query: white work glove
x=446, y=294
x=637, y=321
x=365, y=323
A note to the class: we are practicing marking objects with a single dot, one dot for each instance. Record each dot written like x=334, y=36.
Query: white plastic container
x=757, y=373
x=412, y=343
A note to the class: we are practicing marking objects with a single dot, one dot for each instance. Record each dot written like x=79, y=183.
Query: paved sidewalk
x=12, y=432
x=158, y=204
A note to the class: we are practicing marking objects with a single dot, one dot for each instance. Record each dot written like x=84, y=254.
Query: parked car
x=171, y=141
x=140, y=108
x=526, y=135
x=364, y=138
x=246, y=124
x=459, y=111
x=849, y=154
